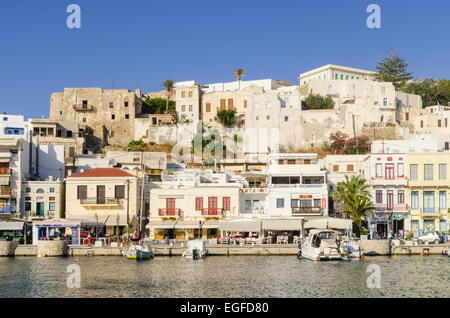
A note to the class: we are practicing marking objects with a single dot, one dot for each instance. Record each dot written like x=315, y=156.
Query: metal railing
x=306, y=210
x=100, y=201
x=85, y=108
x=169, y=212
x=212, y=212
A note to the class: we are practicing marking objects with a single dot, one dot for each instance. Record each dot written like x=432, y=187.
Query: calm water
x=246, y=276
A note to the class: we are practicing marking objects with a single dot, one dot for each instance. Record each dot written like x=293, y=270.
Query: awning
x=241, y=225
x=283, y=224
x=187, y=224
x=325, y=223
x=400, y=217
x=211, y=224
x=11, y=226
x=169, y=224
x=68, y=223
x=108, y=220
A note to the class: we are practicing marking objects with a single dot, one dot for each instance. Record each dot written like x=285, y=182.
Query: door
x=390, y=200
x=40, y=209
x=170, y=206
x=101, y=194
x=389, y=171
x=212, y=205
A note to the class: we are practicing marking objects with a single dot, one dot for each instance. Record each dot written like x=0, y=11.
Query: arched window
x=40, y=190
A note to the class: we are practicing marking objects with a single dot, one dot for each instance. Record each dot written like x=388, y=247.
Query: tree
x=169, y=86
x=225, y=117
x=354, y=197
x=341, y=144
x=316, y=101
x=338, y=141
x=157, y=105
x=238, y=74
x=393, y=69
x=432, y=92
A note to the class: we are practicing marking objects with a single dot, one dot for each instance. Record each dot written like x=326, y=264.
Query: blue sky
x=143, y=42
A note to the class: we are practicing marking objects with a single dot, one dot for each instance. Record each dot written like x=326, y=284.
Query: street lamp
x=96, y=227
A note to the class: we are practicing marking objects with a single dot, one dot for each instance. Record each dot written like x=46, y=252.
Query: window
x=385, y=102
x=222, y=104
x=336, y=168
x=84, y=104
x=40, y=190
x=442, y=171
x=27, y=206
x=183, y=94
x=257, y=118
x=406, y=116
x=113, y=117
x=248, y=206
x=84, y=119
x=268, y=105
x=208, y=107
x=226, y=203
x=286, y=118
x=413, y=172
x=428, y=172
x=400, y=169
x=443, y=200
x=280, y=203
x=119, y=192
x=378, y=171
x=439, y=123
x=379, y=196
x=190, y=94
x=317, y=203
x=27, y=190
x=245, y=103
x=336, y=76
x=125, y=104
x=127, y=116
x=183, y=108
x=111, y=104
x=401, y=196
x=350, y=168
x=324, y=77
x=415, y=200
x=446, y=122
x=60, y=112
x=52, y=190
x=81, y=192
x=51, y=206
x=291, y=162
x=342, y=77
x=190, y=108
x=346, y=77
x=428, y=201
x=112, y=134
x=268, y=117
x=383, y=91
x=256, y=106
x=198, y=204
x=421, y=124
x=230, y=103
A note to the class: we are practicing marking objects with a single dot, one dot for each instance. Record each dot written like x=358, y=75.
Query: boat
x=195, y=250
x=139, y=252
x=320, y=245
x=351, y=250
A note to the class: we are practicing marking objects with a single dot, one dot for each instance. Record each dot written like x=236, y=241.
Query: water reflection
x=239, y=276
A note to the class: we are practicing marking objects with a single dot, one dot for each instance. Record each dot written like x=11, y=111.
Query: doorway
x=40, y=209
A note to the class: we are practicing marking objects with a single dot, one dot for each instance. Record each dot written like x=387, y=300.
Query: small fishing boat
x=139, y=252
x=195, y=250
x=320, y=245
x=351, y=250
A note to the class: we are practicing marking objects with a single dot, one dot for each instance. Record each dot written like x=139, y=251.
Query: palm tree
x=169, y=86
x=238, y=74
x=354, y=196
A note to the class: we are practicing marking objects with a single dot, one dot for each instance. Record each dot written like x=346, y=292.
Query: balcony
x=5, y=171
x=100, y=202
x=391, y=207
x=84, y=108
x=5, y=191
x=7, y=210
x=169, y=212
x=212, y=212
x=382, y=181
x=307, y=210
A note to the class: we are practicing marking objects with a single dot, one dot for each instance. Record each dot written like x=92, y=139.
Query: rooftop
x=103, y=173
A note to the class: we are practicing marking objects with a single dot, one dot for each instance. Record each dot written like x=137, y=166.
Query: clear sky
x=141, y=43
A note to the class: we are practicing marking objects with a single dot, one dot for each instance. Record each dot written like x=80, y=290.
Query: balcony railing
x=391, y=207
x=100, y=201
x=256, y=190
x=5, y=171
x=5, y=191
x=212, y=212
x=84, y=108
x=169, y=212
x=306, y=210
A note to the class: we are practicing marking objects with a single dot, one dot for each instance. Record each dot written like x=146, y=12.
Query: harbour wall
x=7, y=248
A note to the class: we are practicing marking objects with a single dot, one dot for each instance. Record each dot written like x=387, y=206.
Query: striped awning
x=325, y=223
x=192, y=224
x=211, y=224
x=158, y=224
x=283, y=224
x=241, y=225
x=11, y=226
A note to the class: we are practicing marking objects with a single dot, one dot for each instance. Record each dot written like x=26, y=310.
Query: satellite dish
x=113, y=162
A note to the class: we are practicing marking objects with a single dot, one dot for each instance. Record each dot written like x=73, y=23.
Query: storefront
x=248, y=227
x=11, y=230
x=161, y=229
x=282, y=230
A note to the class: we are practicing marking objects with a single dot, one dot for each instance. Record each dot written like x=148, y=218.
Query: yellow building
x=428, y=191
x=43, y=199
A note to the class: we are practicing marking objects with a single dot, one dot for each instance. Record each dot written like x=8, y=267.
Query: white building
x=336, y=72
x=416, y=143
x=14, y=126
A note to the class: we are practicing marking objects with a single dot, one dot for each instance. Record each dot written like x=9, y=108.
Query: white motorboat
x=139, y=252
x=320, y=245
x=195, y=249
x=351, y=250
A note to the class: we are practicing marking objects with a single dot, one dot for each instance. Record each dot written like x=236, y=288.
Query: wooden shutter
x=119, y=192
x=101, y=194
x=81, y=192
x=208, y=107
